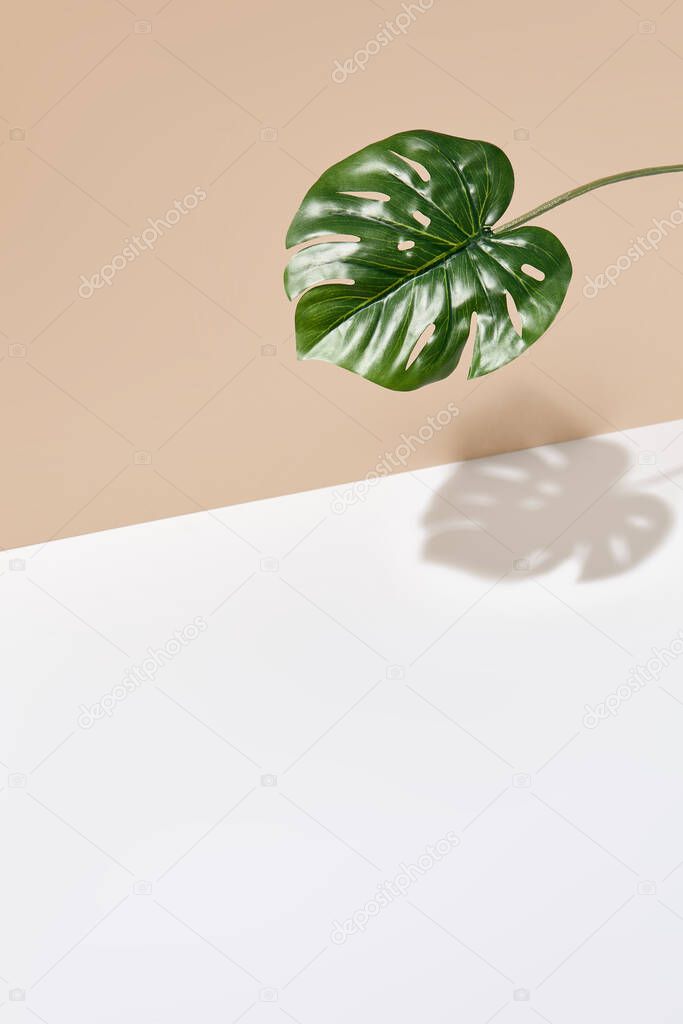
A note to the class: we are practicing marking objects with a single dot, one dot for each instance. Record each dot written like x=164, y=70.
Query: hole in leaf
x=513, y=313
x=329, y=280
x=380, y=197
x=322, y=240
x=481, y=500
x=620, y=549
x=418, y=167
x=511, y=474
x=408, y=244
x=639, y=521
x=423, y=340
x=473, y=330
x=534, y=272
x=422, y=219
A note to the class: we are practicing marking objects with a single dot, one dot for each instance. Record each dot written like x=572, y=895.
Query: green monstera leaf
x=399, y=266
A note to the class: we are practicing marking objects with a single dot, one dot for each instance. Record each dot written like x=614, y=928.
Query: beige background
x=176, y=388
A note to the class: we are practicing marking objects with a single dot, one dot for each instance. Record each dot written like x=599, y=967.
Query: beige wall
x=113, y=110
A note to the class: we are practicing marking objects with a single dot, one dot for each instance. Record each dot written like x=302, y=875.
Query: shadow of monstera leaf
x=587, y=502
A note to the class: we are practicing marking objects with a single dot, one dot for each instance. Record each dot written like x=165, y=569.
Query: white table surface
x=411, y=671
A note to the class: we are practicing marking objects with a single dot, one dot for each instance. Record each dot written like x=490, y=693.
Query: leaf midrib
x=443, y=258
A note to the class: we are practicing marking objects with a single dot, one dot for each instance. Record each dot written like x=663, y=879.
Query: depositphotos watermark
x=145, y=672
x=387, y=892
x=389, y=30
x=136, y=245
x=397, y=459
x=637, y=680
x=639, y=247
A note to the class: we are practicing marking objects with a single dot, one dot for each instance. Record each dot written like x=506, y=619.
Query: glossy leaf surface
x=398, y=266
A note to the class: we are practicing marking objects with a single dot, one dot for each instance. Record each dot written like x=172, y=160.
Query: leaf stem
x=550, y=204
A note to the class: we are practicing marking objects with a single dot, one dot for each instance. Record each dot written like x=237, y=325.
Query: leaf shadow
x=587, y=502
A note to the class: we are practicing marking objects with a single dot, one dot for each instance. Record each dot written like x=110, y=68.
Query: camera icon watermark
x=268, y=134
x=16, y=780
x=521, y=565
x=395, y=673
x=268, y=350
x=17, y=564
x=143, y=28
x=268, y=995
x=645, y=887
x=142, y=888
x=17, y=995
x=142, y=459
x=521, y=995
x=16, y=350
x=269, y=564
x=521, y=134
x=521, y=780
x=17, y=134
x=269, y=781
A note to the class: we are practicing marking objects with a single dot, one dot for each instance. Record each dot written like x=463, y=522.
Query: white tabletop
x=378, y=753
